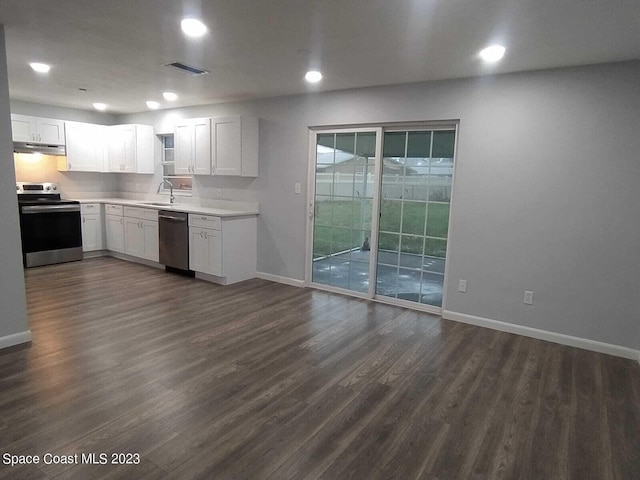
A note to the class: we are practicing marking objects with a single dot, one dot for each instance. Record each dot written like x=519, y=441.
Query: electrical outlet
x=528, y=297
x=297, y=188
x=462, y=286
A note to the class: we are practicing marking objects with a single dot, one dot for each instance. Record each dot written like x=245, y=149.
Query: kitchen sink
x=158, y=204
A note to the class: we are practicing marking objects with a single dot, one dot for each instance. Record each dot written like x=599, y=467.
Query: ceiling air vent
x=187, y=69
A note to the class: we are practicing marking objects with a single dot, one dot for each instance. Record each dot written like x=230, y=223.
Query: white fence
x=432, y=187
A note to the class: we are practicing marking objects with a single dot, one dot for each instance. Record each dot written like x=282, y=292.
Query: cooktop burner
x=45, y=193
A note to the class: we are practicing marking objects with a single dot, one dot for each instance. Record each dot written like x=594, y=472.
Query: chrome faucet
x=171, y=197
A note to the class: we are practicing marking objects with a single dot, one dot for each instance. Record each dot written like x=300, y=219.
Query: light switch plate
x=528, y=297
x=298, y=188
x=462, y=286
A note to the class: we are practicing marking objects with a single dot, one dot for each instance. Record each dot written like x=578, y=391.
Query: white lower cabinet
x=141, y=235
x=115, y=233
x=224, y=248
x=92, y=231
x=205, y=251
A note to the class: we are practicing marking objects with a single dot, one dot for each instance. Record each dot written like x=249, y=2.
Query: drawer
x=141, y=213
x=88, y=208
x=205, y=221
x=113, y=209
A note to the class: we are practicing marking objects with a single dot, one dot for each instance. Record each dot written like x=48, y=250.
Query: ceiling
x=116, y=49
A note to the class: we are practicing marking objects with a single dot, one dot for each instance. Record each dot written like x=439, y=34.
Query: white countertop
x=176, y=207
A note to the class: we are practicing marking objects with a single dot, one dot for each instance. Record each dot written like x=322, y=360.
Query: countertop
x=176, y=207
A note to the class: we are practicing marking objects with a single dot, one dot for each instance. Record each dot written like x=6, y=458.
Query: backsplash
x=32, y=167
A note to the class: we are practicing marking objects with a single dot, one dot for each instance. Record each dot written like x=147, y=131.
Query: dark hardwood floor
x=265, y=381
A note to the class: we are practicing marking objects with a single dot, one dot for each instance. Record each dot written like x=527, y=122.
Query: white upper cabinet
x=235, y=146
x=192, y=145
x=86, y=147
x=131, y=149
x=37, y=130
x=218, y=146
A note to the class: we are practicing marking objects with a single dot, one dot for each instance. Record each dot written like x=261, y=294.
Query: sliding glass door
x=380, y=212
x=343, y=209
x=417, y=175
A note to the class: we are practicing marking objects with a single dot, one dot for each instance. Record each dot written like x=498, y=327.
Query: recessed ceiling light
x=193, y=27
x=40, y=67
x=152, y=105
x=170, y=96
x=492, y=53
x=313, y=76
x=100, y=106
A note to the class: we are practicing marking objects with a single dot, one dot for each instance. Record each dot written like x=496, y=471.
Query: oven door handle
x=27, y=209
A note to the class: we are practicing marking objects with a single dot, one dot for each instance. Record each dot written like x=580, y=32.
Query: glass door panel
x=417, y=172
x=344, y=185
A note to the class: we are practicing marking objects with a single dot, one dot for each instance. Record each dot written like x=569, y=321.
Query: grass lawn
x=339, y=226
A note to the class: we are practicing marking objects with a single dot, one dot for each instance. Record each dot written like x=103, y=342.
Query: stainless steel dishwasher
x=174, y=239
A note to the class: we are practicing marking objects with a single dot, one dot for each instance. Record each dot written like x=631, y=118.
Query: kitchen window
x=181, y=183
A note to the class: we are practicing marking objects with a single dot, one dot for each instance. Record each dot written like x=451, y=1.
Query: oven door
x=50, y=233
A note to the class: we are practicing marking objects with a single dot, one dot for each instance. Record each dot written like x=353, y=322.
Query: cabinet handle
x=201, y=232
x=206, y=236
x=121, y=221
x=69, y=166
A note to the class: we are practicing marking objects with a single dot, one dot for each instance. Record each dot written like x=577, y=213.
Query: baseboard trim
x=279, y=279
x=15, y=339
x=95, y=254
x=560, y=338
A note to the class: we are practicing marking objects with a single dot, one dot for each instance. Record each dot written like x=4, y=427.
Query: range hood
x=28, y=147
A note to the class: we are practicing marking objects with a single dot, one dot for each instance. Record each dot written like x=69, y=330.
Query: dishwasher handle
x=172, y=217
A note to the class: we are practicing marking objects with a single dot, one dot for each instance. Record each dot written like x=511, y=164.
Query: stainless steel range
x=50, y=227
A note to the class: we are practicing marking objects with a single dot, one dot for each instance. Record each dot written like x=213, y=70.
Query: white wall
x=13, y=310
x=545, y=196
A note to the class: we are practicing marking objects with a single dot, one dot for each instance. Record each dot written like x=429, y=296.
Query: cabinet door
x=198, y=250
x=145, y=149
x=202, y=146
x=183, y=152
x=205, y=251
x=116, y=149
x=91, y=233
x=23, y=128
x=84, y=147
x=128, y=138
x=133, y=237
x=115, y=233
x=151, y=240
x=50, y=131
x=227, y=146
x=214, y=250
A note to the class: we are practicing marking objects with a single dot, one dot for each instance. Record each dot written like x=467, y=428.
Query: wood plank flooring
x=265, y=381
